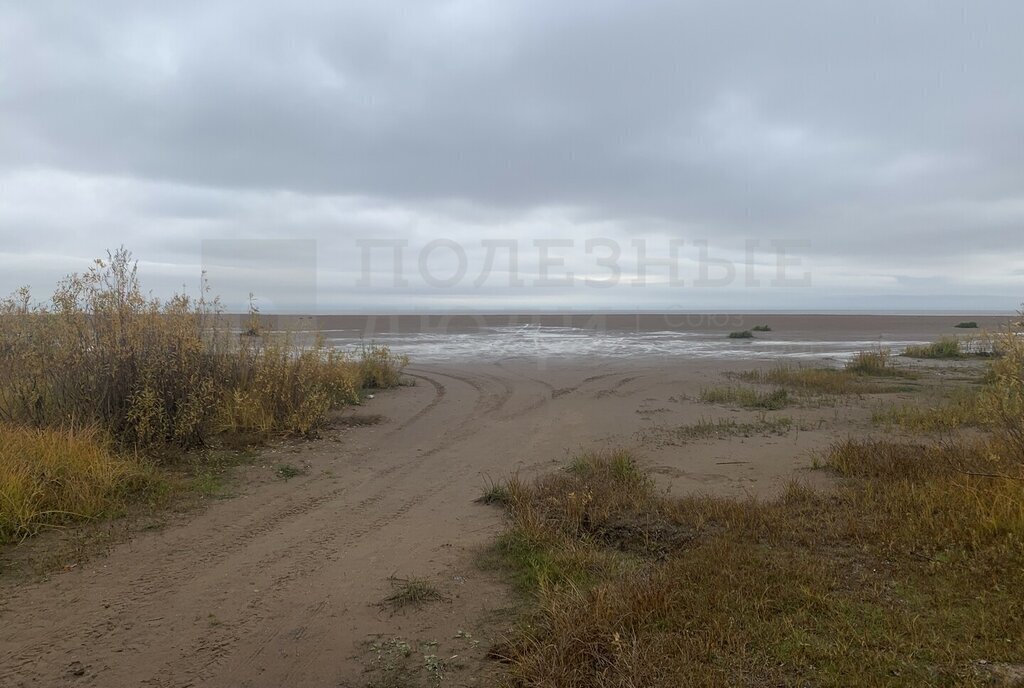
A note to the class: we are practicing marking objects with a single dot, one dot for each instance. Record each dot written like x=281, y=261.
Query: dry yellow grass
x=961, y=409
x=145, y=376
x=1003, y=397
x=815, y=381
x=907, y=574
x=51, y=477
x=998, y=406
x=877, y=362
x=746, y=397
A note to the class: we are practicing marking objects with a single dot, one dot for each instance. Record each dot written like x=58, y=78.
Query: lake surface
x=463, y=337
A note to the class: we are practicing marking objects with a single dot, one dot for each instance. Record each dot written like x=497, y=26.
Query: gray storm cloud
x=885, y=136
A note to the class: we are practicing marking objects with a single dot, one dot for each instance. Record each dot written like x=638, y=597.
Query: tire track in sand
x=186, y=558
x=307, y=557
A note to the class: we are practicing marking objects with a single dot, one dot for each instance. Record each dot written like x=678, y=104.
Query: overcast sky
x=880, y=144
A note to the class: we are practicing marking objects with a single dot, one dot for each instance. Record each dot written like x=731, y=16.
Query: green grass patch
x=967, y=325
x=207, y=472
x=741, y=334
x=289, y=471
x=761, y=328
x=208, y=482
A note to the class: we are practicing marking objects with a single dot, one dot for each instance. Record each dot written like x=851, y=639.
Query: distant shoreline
x=619, y=312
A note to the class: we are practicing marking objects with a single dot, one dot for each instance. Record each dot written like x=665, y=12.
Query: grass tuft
x=52, y=477
x=877, y=363
x=411, y=592
x=746, y=397
x=761, y=328
x=289, y=471
x=967, y=325
x=946, y=347
x=496, y=493
x=741, y=334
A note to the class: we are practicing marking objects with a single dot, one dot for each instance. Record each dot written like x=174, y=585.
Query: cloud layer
x=884, y=136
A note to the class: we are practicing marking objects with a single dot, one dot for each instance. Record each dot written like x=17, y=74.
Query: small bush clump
x=741, y=334
x=761, y=328
x=379, y=368
x=967, y=325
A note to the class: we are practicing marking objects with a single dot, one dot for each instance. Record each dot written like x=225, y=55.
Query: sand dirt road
x=278, y=586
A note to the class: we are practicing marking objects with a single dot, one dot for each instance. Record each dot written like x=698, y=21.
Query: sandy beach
x=279, y=584
x=511, y=345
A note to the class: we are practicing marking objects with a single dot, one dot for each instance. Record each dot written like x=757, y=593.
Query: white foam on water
x=541, y=342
